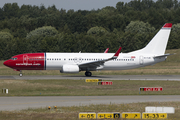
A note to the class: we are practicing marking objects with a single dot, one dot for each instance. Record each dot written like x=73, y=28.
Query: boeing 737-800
x=151, y=54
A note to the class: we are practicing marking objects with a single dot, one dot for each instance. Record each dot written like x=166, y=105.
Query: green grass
x=71, y=113
x=81, y=88
x=168, y=67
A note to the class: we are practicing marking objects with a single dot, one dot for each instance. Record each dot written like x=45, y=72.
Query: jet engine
x=70, y=69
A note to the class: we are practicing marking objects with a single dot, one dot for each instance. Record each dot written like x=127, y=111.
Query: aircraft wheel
x=85, y=73
x=20, y=74
x=88, y=73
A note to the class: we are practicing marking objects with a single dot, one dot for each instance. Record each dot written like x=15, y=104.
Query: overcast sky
x=67, y=4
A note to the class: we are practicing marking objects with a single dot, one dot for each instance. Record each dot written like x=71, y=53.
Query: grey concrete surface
x=103, y=77
x=19, y=103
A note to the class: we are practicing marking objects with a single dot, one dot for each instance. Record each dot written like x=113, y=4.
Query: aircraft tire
x=88, y=74
x=20, y=74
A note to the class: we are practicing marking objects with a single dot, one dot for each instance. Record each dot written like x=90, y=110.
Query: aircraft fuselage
x=55, y=61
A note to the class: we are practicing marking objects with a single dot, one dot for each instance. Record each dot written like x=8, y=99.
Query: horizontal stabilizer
x=165, y=55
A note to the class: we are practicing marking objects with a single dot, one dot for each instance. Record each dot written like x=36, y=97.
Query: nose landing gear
x=88, y=74
x=20, y=74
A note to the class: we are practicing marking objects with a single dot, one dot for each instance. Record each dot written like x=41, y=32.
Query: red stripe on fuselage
x=28, y=61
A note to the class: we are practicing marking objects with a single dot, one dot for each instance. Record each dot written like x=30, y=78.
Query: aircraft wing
x=99, y=63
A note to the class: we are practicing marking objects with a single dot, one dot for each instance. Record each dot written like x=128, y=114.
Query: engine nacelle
x=70, y=69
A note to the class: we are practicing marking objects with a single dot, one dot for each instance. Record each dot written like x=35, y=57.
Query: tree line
x=131, y=25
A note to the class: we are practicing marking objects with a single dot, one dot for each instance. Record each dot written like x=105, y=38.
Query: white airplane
x=151, y=54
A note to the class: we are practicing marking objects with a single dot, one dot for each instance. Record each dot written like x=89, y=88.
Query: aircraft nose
x=7, y=63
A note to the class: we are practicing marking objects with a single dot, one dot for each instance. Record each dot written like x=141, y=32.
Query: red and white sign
x=105, y=83
x=150, y=88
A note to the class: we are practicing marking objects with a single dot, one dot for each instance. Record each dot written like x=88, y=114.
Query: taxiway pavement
x=103, y=77
x=19, y=103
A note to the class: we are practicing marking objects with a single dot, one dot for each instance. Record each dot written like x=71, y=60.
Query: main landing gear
x=88, y=73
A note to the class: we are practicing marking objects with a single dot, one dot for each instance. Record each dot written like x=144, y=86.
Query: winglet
x=106, y=51
x=117, y=53
x=167, y=25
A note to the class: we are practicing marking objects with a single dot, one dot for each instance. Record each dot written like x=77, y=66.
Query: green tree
x=97, y=30
x=137, y=35
x=107, y=11
x=1, y=14
x=42, y=32
x=35, y=38
x=176, y=27
x=119, y=7
x=174, y=42
x=5, y=39
x=11, y=10
x=92, y=20
x=165, y=3
x=76, y=22
x=139, y=27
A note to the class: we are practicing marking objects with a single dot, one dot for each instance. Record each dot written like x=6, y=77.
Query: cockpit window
x=13, y=58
